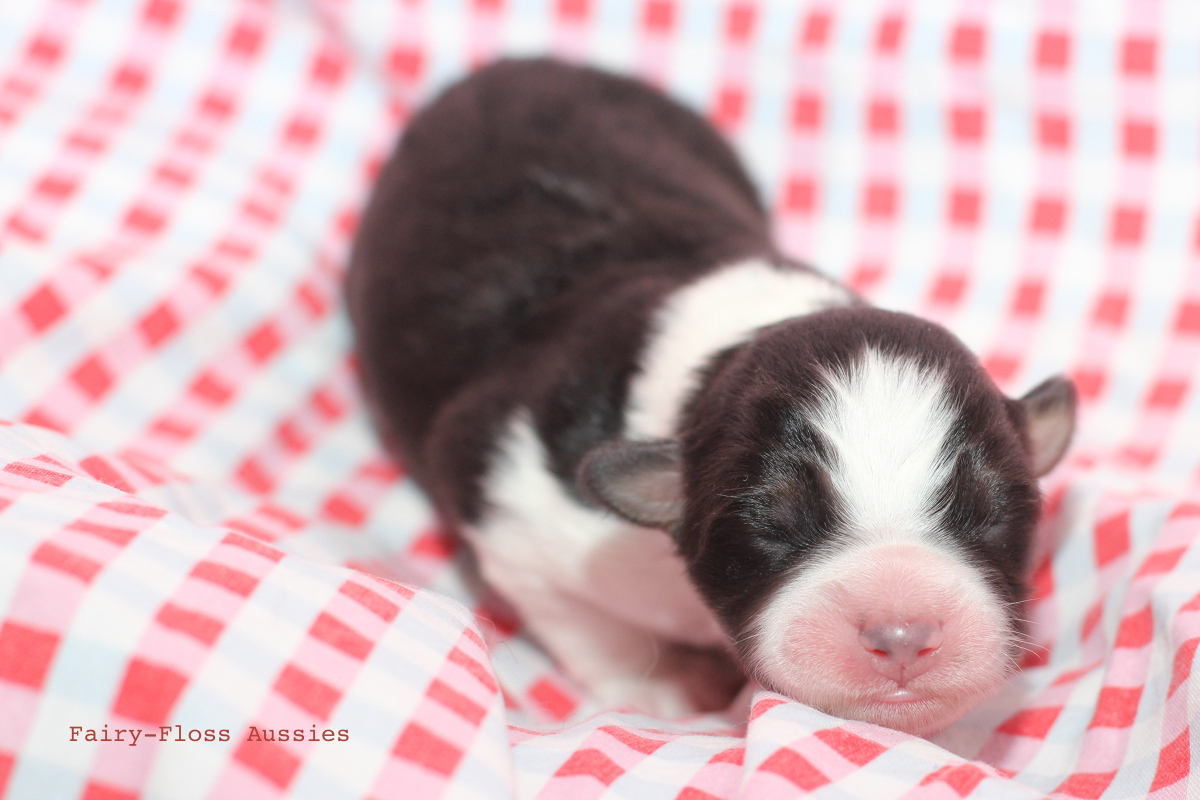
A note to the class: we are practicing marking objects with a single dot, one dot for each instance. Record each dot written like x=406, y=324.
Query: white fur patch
x=887, y=420
x=716, y=312
x=535, y=536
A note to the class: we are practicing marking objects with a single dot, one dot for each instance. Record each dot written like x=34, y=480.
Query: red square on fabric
x=1117, y=707
x=340, y=508
x=43, y=48
x=890, y=34
x=1174, y=762
x=967, y=42
x=1187, y=319
x=658, y=16
x=35, y=473
x=456, y=701
x=1032, y=722
x=577, y=10
x=406, y=63
x=56, y=186
x=639, y=744
x=1053, y=50
x=270, y=760
x=199, y=626
x=1167, y=394
x=25, y=654
x=313, y=695
x=162, y=12
x=1028, y=300
x=1182, y=667
x=110, y=533
x=245, y=39
x=477, y=670
x=739, y=21
x=964, y=206
x=1054, y=131
x=590, y=761
x=420, y=746
x=731, y=106
x=796, y=768
x=1089, y=382
x=879, y=200
x=1111, y=538
x=106, y=473
x=800, y=195
x=232, y=579
x=330, y=65
x=851, y=746
x=883, y=117
x=64, y=560
x=692, y=793
x=1048, y=215
x=6, y=765
x=158, y=324
x=967, y=123
x=1138, y=56
x=1127, y=225
x=551, y=699
x=208, y=388
x=149, y=692
x=806, y=112
x=254, y=546
x=1139, y=138
x=815, y=31
x=373, y=601
x=1160, y=562
x=98, y=791
x=949, y=288
x=962, y=778
x=734, y=755
x=92, y=377
x=42, y=308
x=264, y=342
x=334, y=632
x=1086, y=785
x=146, y=220
x=1136, y=629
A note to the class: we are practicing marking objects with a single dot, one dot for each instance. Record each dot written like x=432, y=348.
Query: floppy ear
x=1049, y=421
x=640, y=481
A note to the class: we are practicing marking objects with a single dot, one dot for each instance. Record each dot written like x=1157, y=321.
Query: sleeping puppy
x=671, y=448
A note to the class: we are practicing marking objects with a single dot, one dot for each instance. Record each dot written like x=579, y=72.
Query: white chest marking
x=534, y=537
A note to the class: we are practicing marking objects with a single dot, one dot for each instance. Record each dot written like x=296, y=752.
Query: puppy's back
x=515, y=201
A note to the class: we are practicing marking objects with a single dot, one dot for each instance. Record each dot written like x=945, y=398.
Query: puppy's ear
x=1049, y=411
x=639, y=481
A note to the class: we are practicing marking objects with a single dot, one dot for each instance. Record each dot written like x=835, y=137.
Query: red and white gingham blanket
x=202, y=548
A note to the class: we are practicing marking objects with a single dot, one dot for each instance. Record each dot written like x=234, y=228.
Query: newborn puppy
x=665, y=441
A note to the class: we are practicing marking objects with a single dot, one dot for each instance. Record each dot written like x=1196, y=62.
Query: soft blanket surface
x=203, y=547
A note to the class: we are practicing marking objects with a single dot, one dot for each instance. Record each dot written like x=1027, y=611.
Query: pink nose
x=901, y=650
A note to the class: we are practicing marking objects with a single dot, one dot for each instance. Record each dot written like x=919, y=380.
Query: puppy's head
x=856, y=501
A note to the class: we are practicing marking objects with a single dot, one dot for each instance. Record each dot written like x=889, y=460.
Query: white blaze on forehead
x=887, y=419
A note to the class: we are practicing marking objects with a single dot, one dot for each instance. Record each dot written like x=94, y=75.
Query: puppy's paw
x=684, y=681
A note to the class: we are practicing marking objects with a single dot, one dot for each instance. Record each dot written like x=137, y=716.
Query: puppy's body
x=573, y=324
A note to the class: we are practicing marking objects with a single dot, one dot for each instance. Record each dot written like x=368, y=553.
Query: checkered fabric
x=214, y=584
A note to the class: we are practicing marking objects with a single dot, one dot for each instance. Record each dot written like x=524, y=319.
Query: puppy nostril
x=901, y=642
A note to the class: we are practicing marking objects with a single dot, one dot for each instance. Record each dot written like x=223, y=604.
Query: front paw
x=684, y=681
